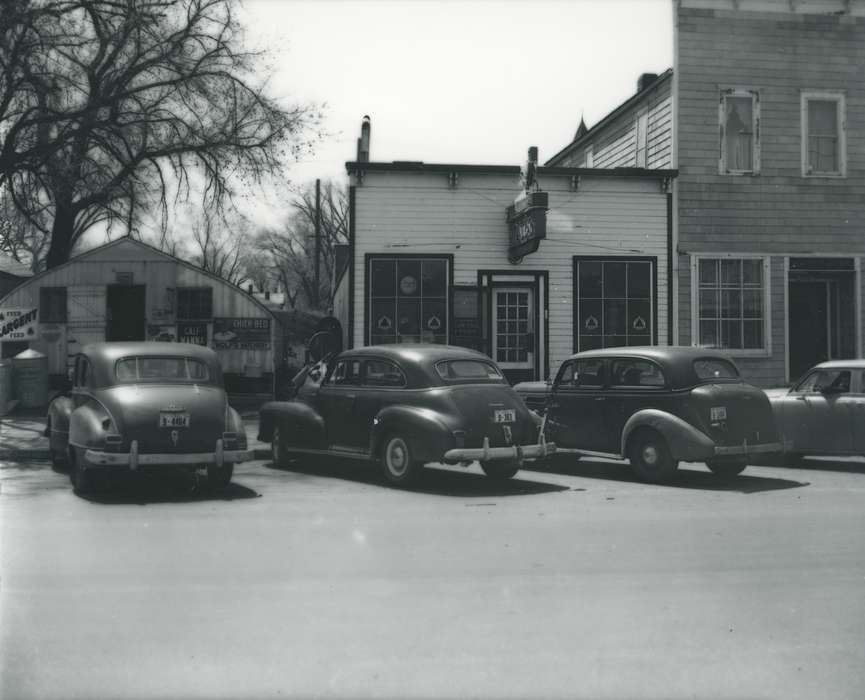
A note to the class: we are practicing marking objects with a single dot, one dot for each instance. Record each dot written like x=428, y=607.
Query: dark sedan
x=406, y=405
x=656, y=406
x=145, y=405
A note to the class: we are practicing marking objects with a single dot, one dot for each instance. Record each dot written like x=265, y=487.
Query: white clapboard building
x=128, y=290
x=444, y=253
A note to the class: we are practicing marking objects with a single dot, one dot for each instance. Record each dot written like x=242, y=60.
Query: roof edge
x=609, y=172
x=419, y=166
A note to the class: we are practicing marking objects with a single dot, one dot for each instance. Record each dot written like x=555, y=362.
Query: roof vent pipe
x=363, y=141
x=645, y=80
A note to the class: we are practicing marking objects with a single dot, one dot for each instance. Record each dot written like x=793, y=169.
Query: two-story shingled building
x=762, y=116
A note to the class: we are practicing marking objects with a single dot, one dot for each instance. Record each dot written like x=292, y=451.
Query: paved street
x=573, y=581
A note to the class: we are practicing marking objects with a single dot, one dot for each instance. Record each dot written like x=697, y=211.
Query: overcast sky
x=457, y=82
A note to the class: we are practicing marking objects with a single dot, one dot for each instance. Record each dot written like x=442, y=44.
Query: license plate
x=173, y=420
x=719, y=413
x=508, y=415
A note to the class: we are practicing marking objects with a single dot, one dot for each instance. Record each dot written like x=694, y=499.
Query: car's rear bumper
x=748, y=449
x=487, y=453
x=134, y=459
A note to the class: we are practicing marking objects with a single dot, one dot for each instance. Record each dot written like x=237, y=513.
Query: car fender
x=85, y=425
x=426, y=430
x=57, y=424
x=301, y=425
x=686, y=442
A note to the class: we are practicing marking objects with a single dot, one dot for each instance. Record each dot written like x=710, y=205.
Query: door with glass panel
x=514, y=327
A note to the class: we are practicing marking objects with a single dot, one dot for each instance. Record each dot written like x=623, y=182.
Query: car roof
x=841, y=364
x=111, y=351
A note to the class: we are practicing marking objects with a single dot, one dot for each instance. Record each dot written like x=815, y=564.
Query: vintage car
x=824, y=412
x=403, y=406
x=656, y=406
x=143, y=406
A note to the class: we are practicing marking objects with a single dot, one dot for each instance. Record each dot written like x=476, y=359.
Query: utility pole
x=317, y=238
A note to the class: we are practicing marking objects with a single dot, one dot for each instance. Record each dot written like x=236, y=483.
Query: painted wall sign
x=18, y=324
x=241, y=333
x=161, y=333
x=192, y=333
x=527, y=224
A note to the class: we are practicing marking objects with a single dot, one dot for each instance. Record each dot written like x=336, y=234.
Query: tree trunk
x=61, y=238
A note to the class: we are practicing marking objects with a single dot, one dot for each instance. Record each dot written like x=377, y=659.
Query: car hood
x=776, y=393
x=136, y=408
x=532, y=388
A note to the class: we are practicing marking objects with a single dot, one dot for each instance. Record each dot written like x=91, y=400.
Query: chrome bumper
x=133, y=459
x=746, y=449
x=487, y=453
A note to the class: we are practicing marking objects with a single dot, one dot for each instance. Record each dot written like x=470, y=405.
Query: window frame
x=840, y=98
x=766, y=350
x=364, y=374
x=635, y=387
x=43, y=317
x=180, y=290
x=739, y=92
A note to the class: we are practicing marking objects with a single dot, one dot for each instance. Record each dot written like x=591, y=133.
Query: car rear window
x=160, y=369
x=468, y=370
x=714, y=368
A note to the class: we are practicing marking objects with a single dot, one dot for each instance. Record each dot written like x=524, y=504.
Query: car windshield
x=160, y=369
x=468, y=370
x=713, y=368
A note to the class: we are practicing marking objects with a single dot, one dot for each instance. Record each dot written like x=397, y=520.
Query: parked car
x=824, y=412
x=403, y=406
x=145, y=405
x=656, y=406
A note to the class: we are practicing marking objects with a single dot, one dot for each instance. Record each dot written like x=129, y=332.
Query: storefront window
x=408, y=300
x=614, y=300
x=730, y=304
x=194, y=303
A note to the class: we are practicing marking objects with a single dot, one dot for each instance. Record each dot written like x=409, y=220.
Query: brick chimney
x=645, y=80
x=363, y=141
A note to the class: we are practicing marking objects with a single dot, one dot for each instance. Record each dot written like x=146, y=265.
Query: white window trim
x=754, y=94
x=765, y=351
x=834, y=96
x=641, y=139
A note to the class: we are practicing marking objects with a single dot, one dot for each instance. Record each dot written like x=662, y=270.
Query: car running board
x=353, y=453
x=588, y=453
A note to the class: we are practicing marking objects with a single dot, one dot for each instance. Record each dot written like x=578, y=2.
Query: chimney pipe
x=363, y=141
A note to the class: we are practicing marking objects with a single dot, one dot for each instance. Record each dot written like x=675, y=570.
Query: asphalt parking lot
x=571, y=580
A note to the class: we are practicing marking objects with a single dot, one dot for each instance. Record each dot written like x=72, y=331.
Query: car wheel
x=397, y=461
x=82, y=479
x=727, y=468
x=277, y=448
x=218, y=478
x=503, y=469
x=650, y=457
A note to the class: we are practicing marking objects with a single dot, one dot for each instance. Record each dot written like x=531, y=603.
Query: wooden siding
x=778, y=212
x=406, y=212
x=86, y=278
x=614, y=144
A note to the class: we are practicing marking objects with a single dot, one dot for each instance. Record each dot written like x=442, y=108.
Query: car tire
x=500, y=470
x=82, y=479
x=218, y=478
x=397, y=460
x=59, y=461
x=727, y=468
x=650, y=457
x=277, y=448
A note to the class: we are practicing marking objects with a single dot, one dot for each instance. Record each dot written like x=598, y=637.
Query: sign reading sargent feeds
x=241, y=333
x=18, y=324
x=527, y=224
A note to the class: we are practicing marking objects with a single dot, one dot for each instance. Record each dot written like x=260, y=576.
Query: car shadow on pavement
x=178, y=489
x=431, y=480
x=684, y=479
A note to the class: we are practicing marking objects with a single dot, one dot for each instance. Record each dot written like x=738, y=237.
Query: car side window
x=629, y=373
x=346, y=372
x=383, y=373
x=836, y=381
x=581, y=374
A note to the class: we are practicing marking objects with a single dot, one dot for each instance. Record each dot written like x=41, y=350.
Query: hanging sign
x=18, y=324
x=241, y=333
x=527, y=224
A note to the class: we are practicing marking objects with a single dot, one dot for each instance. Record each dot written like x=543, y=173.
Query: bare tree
x=108, y=107
x=291, y=249
x=20, y=238
x=219, y=243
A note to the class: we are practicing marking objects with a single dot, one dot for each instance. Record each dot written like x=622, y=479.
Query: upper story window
x=642, y=139
x=194, y=303
x=52, y=305
x=824, y=127
x=739, y=116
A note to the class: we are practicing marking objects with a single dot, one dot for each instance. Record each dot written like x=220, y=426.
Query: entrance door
x=126, y=312
x=514, y=338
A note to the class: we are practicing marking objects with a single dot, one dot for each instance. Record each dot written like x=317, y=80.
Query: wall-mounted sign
x=241, y=333
x=527, y=224
x=18, y=324
x=192, y=333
